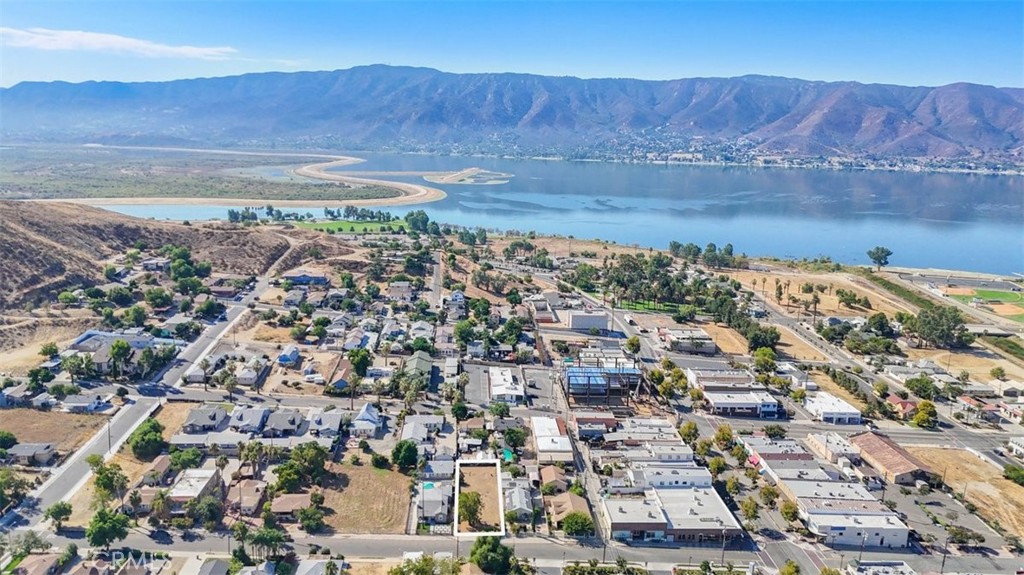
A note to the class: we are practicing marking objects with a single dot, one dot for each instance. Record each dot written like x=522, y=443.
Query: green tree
x=106, y=527
x=689, y=432
x=633, y=345
x=405, y=455
x=733, y=486
x=769, y=494
x=49, y=349
x=998, y=373
x=59, y=512
x=578, y=524
x=750, y=509
x=7, y=439
x=943, y=326
x=879, y=255
x=119, y=353
x=774, y=431
x=723, y=436
x=790, y=568
x=515, y=437
x=147, y=441
x=491, y=556
x=311, y=519
x=790, y=511
x=717, y=465
x=469, y=507
x=360, y=360
x=926, y=416
x=499, y=409
x=764, y=360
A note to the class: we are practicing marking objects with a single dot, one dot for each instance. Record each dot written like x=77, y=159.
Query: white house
x=84, y=403
x=368, y=422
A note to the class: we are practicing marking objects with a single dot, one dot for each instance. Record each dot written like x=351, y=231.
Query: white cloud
x=76, y=40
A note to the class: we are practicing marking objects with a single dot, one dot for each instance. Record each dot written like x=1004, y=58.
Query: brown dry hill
x=47, y=246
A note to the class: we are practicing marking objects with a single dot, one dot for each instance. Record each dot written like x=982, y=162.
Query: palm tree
x=161, y=506
x=135, y=500
x=204, y=364
x=222, y=462
x=815, y=300
x=73, y=365
x=354, y=382
x=331, y=568
x=241, y=532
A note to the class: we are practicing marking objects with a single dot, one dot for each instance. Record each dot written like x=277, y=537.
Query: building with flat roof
x=827, y=408
x=504, y=386
x=723, y=380
x=194, y=484
x=644, y=431
x=691, y=340
x=551, y=440
x=691, y=515
x=745, y=404
x=831, y=447
x=879, y=568
x=586, y=320
x=1016, y=445
x=855, y=530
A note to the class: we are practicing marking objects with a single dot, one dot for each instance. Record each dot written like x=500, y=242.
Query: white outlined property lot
x=459, y=464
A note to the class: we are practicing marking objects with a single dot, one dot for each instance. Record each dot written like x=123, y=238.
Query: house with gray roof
x=283, y=423
x=438, y=469
x=368, y=422
x=32, y=453
x=326, y=423
x=206, y=418
x=248, y=419
x=435, y=499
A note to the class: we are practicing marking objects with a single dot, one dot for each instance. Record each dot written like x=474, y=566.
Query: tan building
x=893, y=462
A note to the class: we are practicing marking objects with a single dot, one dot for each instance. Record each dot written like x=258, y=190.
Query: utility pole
x=722, y=562
x=945, y=553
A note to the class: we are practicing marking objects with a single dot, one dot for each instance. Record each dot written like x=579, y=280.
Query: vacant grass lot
x=68, y=431
x=364, y=499
x=483, y=479
x=352, y=226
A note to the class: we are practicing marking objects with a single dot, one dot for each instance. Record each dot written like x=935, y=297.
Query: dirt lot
x=21, y=335
x=826, y=384
x=67, y=430
x=483, y=479
x=172, y=416
x=81, y=502
x=792, y=347
x=373, y=568
x=977, y=360
x=365, y=499
x=880, y=301
x=997, y=498
x=727, y=339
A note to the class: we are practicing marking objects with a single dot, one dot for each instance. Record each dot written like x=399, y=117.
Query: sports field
x=1009, y=304
x=353, y=226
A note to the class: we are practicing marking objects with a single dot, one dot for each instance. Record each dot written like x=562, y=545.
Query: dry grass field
x=172, y=416
x=997, y=498
x=792, y=347
x=483, y=479
x=726, y=338
x=68, y=431
x=829, y=305
x=976, y=360
x=364, y=499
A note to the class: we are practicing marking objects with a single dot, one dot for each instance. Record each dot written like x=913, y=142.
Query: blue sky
x=911, y=43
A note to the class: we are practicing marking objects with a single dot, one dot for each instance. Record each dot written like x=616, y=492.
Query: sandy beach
x=411, y=193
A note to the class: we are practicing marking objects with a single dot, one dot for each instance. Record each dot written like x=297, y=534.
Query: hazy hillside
x=51, y=245
x=394, y=107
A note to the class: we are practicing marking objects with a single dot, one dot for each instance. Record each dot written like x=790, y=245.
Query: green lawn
x=342, y=226
x=663, y=307
x=1000, y=295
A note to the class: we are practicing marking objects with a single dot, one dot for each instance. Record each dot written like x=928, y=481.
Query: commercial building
x=723, y=380
x=586, y=320
x=686, y=515
x=832, y=447
x=749, y=404
x=505, y=387
x=551, y=440
x=696, y=341
x=893, y=462
x=827, y=408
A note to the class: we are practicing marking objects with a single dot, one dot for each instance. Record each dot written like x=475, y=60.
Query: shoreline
x=410, y=193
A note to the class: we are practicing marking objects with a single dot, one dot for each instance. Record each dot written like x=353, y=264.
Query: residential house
x=419, y=364
x=554, y=476
x=368, y=422
x=430, y=421
x=435, y=500
x=444, y=341
x=42, y=401
x=32, y=453
x=194, y=484
x=438, y=469
x=283, y=423
x=421, y=329
x=146, y=497
x=246, y=496
x=289, y=356
x=156, y=264
x=401, y=292
x=286, y=505
x=518, y=501
x=1012, y=412
x=561, y=505
x=212, y=567
x=84, y=403
x=265, y=568
x=416, y=432
x=476, y=349
x=17, y=395
x=205, y=418
x=325, y=423
x=1016, y=445
x=37, y=564
x=902, y=408
x=304, y=277
x=195, y=374
x=294, y=298
x=251, y=373
x=159, y=472
x=248, y=419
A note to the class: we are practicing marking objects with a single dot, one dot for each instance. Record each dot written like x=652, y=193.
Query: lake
x=951, y=221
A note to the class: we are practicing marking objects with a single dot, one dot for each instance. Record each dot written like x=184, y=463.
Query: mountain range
x=402, y=108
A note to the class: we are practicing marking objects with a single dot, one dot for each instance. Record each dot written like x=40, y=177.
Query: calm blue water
x=953, y=221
